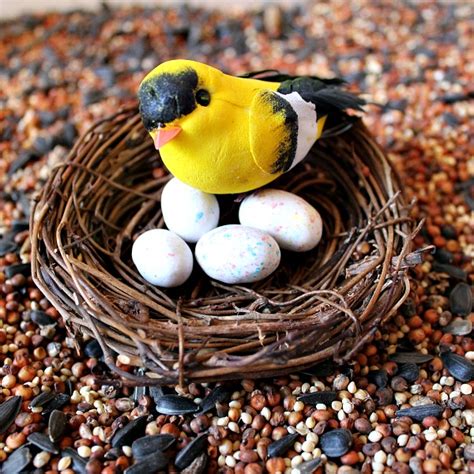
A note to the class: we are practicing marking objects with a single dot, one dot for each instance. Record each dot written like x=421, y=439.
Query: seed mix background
x=404, y=412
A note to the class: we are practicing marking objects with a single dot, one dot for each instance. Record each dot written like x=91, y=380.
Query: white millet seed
x=341, y=415
x=312, y=437
x=375, y=436
x=306, y=456
x=235, y=404
x=308, y=446
x=466, y=389
x=266, y=413
x=298, y=406
x=230, y=461
x=127, y=450
x=321, y=406
x=296, y=461
x=221, y=461
x=64, y=463
x=377, y=467
x=310, y=422
x=336, y=405
x=41, y=459
x=234, y=427
x=347, y=407
x=305, y=387
x=84, y=451
x=415, y=429
x=402, y=440
x=352, y=387
x=373, y=418
x=246, y=418
x=224, y=421
x=380, y=457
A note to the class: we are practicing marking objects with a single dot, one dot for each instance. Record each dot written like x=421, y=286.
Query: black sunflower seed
x=280, y=447
x=459, y=327
x=326, y=397
x=19, y=268
x=151, y=463
x=410, y=357
x=175, y=405
x=17, y=461
x=458, y=366
x=7, y=246
x=41, y=318
x=93, y=349
x=409, y=371
x=198, y=466
x=56, y=403
x=190, y=452
x=43, y=442
x=42, y=399
x=309, y=467
x=56, y=425
x=148, y=444
x=78, y=463
x=420, y=412
x=460, y=299
x=20, y=226
x=378, y=377
x=8, y=411
x=451, y=270
x=336, y=443
x=219, y=394
x=131, y=431
x=156, y=393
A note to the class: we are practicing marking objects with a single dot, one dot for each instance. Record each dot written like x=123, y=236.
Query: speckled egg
x=162, y=258
x=188, y=212
x=288, y=218
x=237, y=254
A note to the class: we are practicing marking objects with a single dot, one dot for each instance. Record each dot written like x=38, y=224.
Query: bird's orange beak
x=163, y=135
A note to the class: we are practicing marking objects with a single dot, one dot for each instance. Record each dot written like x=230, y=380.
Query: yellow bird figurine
x=223, y=134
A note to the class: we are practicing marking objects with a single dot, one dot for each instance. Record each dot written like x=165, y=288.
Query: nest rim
x=93, y=204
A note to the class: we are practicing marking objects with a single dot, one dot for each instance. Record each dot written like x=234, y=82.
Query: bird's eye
x=203, y=97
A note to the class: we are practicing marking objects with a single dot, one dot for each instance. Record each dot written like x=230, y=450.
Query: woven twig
x=320, y=304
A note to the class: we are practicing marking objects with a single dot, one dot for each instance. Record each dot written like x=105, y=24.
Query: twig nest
x=319, y=304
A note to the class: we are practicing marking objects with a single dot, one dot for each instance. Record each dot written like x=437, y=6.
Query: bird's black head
x=167, y=96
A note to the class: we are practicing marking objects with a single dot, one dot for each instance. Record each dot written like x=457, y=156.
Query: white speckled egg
x=188, y=212
x=237, y=254
x=162, y=258
x=288, y=218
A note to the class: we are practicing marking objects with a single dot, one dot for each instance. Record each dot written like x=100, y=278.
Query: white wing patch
x=307, y=125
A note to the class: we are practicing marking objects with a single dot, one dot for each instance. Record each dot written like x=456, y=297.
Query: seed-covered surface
x=60, y=73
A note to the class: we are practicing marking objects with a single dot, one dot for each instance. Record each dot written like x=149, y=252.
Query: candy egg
x=188, y=212
x=288, y=218
x=237, y=254
x=162, y=258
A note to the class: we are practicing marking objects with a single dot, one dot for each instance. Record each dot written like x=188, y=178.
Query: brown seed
x=362, y=425
x=350, y=458
x=275, y=466
x=15, y=440
x=248, y=456
x=257, y=400
x=253, y=468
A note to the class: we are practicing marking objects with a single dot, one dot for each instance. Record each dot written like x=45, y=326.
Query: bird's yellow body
x=235, y=139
